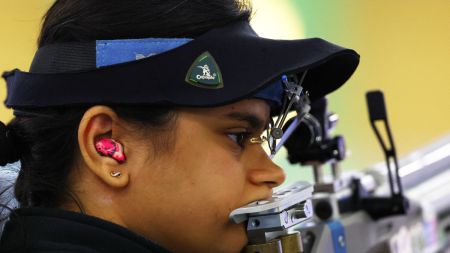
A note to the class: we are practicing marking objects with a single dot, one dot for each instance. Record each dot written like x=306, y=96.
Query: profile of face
x=180, y=196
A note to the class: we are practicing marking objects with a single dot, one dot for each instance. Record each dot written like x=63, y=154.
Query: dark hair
x=48, y=145
x=87, y=20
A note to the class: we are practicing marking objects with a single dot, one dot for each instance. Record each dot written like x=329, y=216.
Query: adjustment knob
x=277, y=133
x=302, y=210
x=337, y=148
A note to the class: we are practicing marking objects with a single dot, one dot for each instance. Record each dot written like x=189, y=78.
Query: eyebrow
x=254, y=121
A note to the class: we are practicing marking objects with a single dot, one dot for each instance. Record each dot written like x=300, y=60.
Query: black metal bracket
x=397, y=203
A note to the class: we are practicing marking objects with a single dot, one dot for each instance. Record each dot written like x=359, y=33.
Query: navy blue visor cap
x=223, y=66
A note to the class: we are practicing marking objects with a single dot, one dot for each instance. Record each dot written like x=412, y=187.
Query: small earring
x=116, y=174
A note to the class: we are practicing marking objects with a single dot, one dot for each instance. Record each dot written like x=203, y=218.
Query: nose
x=263, y=171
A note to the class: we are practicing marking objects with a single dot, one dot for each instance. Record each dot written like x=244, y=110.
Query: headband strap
x=73, y=57
x=240, y=65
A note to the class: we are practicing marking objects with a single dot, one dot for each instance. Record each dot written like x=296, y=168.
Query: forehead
x=256, y=107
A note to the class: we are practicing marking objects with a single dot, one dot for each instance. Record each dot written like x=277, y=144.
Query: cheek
x=207, y=170
x=214, y=177
x=208, y=182
x=213, y=181
x=214, y=187
x=210, y=172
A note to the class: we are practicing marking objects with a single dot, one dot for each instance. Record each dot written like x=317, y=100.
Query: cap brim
x=248, y=64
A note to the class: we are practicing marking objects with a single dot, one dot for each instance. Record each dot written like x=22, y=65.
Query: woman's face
x=182, y=198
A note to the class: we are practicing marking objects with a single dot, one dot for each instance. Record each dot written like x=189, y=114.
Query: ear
x=101, y=122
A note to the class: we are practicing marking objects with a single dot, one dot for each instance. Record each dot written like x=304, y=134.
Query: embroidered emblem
x=205, y=73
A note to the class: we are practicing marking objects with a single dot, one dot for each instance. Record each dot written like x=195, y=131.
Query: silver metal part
x=336, y=170
x=333, y=119
x=282, y=199
x=330, y=184
x=293, y=88
x=270, y=218
x=303, y=210
x=258, y=226
x=333, y=186
x=318, y=174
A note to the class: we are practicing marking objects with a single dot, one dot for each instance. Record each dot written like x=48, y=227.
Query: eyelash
x=239, y=141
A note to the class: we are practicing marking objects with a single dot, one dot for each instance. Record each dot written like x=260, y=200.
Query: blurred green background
x=403, y=47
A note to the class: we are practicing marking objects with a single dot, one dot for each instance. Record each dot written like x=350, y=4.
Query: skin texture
x=180, y=198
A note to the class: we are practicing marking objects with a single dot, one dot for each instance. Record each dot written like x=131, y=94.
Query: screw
x=277, y=133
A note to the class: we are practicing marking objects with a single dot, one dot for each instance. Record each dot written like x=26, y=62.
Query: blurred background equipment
x=395, y=207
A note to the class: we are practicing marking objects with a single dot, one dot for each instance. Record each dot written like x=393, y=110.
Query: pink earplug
x=111, y=148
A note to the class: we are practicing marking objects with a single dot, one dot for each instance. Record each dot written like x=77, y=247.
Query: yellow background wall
x=19, y=27
x=404, y=47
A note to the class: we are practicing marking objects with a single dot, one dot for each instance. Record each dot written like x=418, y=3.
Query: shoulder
x=54, y=230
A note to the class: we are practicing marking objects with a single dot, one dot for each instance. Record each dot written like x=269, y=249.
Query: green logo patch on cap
x=205, y=73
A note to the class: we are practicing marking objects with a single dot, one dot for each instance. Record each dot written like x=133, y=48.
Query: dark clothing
x=58, y=231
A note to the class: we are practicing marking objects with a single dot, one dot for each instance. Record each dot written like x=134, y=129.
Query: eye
x=238, y=138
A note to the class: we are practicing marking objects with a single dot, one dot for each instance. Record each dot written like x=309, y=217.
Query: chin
x=234, y=241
